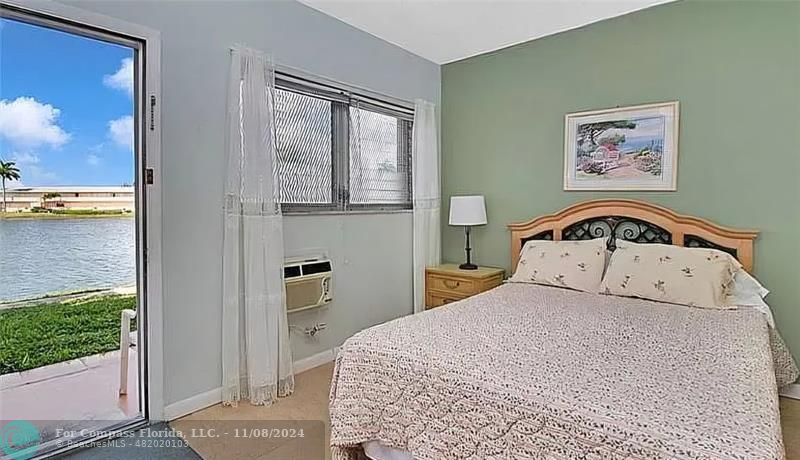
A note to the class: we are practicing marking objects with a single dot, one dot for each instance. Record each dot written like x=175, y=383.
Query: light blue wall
x=196, y=37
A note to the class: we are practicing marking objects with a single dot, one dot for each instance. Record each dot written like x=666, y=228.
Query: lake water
x=41, y=256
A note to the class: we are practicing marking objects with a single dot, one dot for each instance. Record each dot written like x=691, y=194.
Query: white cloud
x=36, y=175
x=25, y=158
x=30, y=123
x=31, y=171
x=92, y=159
x=121, y=131
x=97, y=148
x=123, y=78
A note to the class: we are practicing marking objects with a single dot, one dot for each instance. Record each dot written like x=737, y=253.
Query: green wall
x=734, y=67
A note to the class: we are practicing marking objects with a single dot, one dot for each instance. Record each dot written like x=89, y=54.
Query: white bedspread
x=527, y=371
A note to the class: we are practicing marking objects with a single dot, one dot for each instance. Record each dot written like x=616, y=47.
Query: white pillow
x=571, y=264
x=695, y=277
x=746, y=291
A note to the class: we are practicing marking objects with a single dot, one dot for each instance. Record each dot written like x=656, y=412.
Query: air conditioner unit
x=308, y=284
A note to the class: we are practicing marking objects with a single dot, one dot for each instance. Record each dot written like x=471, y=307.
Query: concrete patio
x=77, y=390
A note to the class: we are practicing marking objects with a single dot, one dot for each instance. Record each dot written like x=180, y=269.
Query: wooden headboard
x=635, y=221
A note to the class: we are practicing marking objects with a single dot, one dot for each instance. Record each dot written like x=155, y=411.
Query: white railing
x=124, y=348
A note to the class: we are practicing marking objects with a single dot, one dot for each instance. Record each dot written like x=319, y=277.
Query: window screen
x=304, y=133
x=339, y=153
x=379, y=158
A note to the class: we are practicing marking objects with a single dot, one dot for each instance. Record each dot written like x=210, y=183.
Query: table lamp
x=467, y=211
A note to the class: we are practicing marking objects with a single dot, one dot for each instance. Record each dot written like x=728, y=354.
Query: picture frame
x=632, y=148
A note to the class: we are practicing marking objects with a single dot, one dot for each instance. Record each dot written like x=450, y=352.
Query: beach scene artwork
x=628, y=148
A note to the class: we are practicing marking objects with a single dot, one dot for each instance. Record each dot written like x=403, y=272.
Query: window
x=338, y=151
x=305, y=139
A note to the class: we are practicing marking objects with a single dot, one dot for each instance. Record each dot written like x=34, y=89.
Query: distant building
x=78, y=197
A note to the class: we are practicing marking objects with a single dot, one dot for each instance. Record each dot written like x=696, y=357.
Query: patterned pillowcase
x=687, y=276
x=572, y=264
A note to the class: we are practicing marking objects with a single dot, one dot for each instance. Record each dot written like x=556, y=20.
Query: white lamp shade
x=467, y=210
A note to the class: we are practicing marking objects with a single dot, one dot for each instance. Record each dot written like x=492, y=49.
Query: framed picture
x=624, y=148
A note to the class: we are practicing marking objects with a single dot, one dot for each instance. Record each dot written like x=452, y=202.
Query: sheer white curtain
x=256, y=359
x=427, y=197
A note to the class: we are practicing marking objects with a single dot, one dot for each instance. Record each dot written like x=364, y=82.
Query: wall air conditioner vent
x=316, y=267
x=292, y=271
x=308, y=284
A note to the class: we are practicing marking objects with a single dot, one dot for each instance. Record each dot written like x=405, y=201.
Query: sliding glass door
x=73, y=233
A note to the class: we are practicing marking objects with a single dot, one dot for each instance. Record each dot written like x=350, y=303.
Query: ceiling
x=444, y=31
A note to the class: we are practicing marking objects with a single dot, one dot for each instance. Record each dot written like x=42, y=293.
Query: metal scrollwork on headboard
x=635, y=221
x=626, y=228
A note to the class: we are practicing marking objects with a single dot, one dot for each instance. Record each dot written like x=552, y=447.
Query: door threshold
x=58, y=447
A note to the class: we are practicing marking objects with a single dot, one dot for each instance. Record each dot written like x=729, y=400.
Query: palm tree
x=47, y=197
x=8, y=171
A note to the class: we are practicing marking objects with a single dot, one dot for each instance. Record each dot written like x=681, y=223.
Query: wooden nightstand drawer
x=437, y=300
x=451, y=285
x=447, y=283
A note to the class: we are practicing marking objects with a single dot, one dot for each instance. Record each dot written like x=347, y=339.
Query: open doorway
x=74, y=240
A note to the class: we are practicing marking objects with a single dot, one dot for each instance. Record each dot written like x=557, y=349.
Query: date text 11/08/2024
x=267, y=433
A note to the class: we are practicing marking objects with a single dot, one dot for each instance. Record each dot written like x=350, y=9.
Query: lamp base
x=468, y=266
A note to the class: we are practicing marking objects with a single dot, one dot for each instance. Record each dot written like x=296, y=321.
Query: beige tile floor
x=310, y=402
x=790, y=421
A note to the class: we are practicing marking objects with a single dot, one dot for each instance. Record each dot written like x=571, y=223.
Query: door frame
x=148, y=196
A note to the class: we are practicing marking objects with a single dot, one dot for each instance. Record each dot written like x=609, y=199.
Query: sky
x=647, y=127
x=66, y=107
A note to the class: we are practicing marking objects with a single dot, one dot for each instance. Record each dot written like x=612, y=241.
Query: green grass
x=32, y=337
x=90, y=212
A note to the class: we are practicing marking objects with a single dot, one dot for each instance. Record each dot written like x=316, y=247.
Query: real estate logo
x=19, y=439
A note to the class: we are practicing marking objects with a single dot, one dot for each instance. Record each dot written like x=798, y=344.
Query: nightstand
x=447, y=283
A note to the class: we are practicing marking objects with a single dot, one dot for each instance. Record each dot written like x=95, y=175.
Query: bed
x=537, y=372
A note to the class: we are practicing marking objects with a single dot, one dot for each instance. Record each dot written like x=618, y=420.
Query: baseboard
x=791, y=391
x=209, y=398
x=193, y=404
x=323, y=357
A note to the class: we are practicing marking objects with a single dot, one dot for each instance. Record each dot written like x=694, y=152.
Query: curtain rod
x=352, y=92
x=330, y=84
